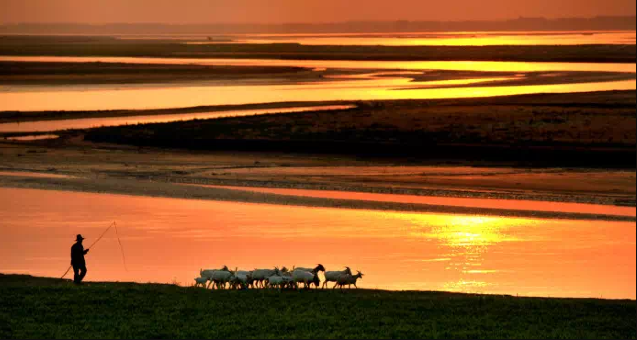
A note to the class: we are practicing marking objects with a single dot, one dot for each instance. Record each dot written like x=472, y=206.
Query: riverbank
x=40, y=307
x=34, y=116
x=75, y=165
x=598, y=124
x=131, y=187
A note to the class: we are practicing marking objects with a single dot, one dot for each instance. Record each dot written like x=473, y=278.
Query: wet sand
x=157, y=172
x=152, y=171
x=143, y=169
x=495, y=204
x=168, y=190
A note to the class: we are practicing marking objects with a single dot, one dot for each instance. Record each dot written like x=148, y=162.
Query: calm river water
x=111, y=97
x=168, y=240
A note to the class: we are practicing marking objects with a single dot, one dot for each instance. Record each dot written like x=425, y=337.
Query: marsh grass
x=577, y=130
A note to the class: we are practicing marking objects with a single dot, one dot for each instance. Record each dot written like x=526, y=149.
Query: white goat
x=305, y=277
x=261, y=275
x=201, y=281
x=221, y=277
x=280, y=282
x=207, y=273
x=348, y=280
x=242, y=279
x=333, y=276
x=318, y=268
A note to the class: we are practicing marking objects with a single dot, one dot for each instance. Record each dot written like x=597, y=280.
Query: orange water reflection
x=32, y=137
x=171, y=239
x=31, y=174
x=481, y=66
x=442, y=39
x=112, y=97
x=522, y=205
x=475, y=38
x=86, y=123
x=102, y=98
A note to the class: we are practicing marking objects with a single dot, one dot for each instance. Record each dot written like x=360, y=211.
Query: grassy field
x=49, y=308
x=105, y=46
x=591, y=129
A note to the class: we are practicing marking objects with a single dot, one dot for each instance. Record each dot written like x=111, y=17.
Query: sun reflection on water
x=465, y=240
x=167, y=238
x=469, y=232
x=466, y=286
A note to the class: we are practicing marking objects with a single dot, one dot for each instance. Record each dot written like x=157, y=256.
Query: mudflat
x=156, y=159
x=545, y=130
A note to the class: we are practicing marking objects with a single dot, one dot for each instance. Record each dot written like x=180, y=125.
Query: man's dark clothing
x=78, y=263
x=78, y=277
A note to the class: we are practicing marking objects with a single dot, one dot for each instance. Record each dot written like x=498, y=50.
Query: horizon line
x=520, y=18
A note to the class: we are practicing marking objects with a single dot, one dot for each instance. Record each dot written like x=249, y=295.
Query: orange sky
x=284, y=11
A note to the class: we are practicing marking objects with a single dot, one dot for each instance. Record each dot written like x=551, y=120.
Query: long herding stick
x=94, y=243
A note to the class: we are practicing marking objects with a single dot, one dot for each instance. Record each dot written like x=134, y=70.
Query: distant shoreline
x=166, y=48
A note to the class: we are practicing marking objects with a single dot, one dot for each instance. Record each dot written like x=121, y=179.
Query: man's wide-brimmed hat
x=79, y=238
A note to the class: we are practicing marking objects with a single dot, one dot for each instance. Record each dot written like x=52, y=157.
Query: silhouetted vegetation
x=596, y=130
x=89, y=46
x=50, y=308
x=27, y=73
x=27, y=116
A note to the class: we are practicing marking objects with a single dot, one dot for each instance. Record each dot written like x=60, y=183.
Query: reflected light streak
x=439, y=39
x=95, y=98
x=464, y=231
x=483, y=66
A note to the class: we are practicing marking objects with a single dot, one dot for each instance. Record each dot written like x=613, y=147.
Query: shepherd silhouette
x=77, y=260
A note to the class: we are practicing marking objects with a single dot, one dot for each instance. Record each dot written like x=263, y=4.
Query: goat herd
x=275, y=278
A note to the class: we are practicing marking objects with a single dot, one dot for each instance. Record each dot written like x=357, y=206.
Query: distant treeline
x=520, y=24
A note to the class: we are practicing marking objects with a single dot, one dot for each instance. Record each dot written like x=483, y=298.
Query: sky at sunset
x=286, y=11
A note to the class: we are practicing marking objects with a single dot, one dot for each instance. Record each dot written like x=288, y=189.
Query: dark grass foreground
x=43, y=308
